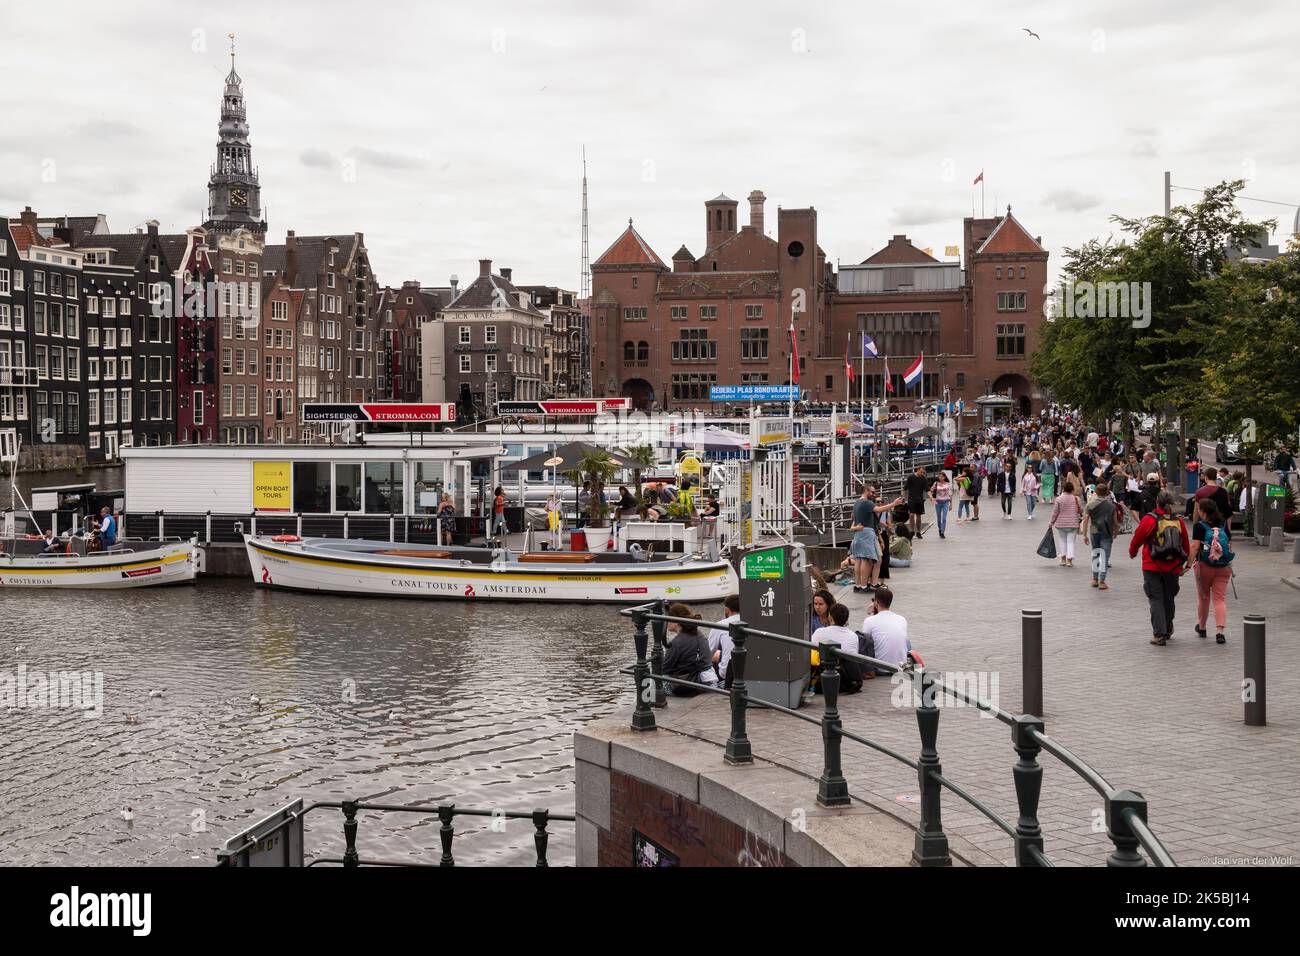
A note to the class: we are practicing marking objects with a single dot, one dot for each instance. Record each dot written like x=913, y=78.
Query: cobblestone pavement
x=1165, y=721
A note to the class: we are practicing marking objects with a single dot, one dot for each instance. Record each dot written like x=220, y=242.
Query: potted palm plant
x=598, y=467
x=639, y=458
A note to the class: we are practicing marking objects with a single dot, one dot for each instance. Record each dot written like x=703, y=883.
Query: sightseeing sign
x=565, y=406
x=382, y=412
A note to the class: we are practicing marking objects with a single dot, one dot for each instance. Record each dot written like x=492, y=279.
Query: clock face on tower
x=239, y=197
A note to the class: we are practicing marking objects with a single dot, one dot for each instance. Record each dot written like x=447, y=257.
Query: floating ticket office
x=301, y=479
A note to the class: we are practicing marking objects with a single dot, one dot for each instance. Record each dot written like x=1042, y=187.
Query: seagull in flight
x=1031, y=33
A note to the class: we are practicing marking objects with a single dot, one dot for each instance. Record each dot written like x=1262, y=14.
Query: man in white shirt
x=837, y=632
x=720, y=644
x=886, y=629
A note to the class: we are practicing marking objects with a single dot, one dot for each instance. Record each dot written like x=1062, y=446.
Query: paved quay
x=1165, y=721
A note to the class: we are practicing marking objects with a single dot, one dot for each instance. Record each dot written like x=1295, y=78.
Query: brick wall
x=698, y=837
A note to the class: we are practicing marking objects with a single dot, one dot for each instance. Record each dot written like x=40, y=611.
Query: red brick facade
x=662, y=335
x=695, y=835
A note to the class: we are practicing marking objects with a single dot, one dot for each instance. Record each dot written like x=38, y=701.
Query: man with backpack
x=1162, y=537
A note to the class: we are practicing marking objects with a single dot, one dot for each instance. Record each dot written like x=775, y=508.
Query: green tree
x=639, y=458
x=1121, y=364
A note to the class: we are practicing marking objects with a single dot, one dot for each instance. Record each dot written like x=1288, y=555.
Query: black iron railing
x=446, y=813
x=1126, y=810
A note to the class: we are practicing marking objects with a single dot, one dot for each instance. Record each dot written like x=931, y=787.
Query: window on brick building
x=677, y=313
x=998, y=272
x=1011, y=301
x=753, y=345
x=1011, y=339
x=708, y=313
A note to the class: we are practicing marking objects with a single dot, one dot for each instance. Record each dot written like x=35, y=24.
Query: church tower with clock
x=234, y=196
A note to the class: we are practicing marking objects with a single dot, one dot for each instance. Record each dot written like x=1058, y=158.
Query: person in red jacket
x=1161, y=569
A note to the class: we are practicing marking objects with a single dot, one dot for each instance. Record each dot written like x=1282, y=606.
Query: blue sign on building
x=753, y=393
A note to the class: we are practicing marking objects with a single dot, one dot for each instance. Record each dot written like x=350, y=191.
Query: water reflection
x=267, y=697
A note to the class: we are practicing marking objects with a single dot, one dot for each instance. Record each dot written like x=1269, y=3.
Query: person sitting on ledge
x=884, y=632
x=838, y=632
x=689, y=657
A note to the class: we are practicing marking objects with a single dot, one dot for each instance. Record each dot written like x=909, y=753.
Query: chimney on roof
x=505, y=273
x=455, y=284
x=756, y=200
x=290, y=258
x=27, y=217
x=485, y=267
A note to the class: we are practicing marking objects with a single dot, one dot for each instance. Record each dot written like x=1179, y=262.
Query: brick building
x=663, y=336
x=239, y=263
x=976, y=320
x=562, y=345
x=485, y=346
x=334, y=272
x=402, y=314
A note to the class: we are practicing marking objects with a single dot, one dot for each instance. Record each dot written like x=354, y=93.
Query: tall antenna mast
x=586, y=255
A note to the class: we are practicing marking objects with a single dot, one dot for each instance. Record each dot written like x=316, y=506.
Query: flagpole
x=791, y=378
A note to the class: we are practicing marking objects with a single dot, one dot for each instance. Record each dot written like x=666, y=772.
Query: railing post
x=299, y=532
x=446, y=812
x=931, y=845
x=406, y=529
x=207, y=527
x=832, y=788
x=160, y=526
x=1031, y=662
x=1252, y=685
x=345, y=526
x=1118, y=803
x=540, y=838
x=660, y=631
x=350, y=857
x=1028, y=775
x=253, y=522
x=392, y=527
x=738, y=750
x=643, y=716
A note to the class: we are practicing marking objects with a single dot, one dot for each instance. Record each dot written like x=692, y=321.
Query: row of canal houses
x=146, y=338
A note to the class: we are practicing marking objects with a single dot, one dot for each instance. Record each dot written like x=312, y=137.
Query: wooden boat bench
x=412, y=553
x=557, y=557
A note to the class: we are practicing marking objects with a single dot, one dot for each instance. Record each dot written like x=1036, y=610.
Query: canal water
x=381, y=700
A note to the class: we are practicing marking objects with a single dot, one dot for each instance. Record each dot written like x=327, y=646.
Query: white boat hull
x=303, y=566
x=176, y=563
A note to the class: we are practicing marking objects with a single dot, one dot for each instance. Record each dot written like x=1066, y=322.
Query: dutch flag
x=868, y=347
x=914, y=372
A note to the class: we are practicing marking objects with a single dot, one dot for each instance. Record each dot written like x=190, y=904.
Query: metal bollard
x=1295, y=555
x=1031, y=661
x=1252, y=685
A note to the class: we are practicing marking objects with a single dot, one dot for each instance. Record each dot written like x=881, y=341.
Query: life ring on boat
x=286, y=537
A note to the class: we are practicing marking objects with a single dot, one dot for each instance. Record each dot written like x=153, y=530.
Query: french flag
x=913, y=374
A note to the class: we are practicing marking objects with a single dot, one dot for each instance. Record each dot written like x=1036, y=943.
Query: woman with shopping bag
x=1066, y=512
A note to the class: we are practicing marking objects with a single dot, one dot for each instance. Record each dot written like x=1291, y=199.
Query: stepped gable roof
x=1009, y=237
x=899, y=251
x=630, y=249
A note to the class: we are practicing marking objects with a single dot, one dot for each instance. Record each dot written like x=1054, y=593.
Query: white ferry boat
x=398, y=569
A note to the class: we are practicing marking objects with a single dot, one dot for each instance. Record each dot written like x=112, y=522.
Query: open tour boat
x=397, y=569
x=25, y=563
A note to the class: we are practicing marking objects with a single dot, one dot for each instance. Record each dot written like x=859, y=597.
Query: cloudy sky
x=450, y=132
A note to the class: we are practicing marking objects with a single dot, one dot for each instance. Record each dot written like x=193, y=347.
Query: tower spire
x=586, y=257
